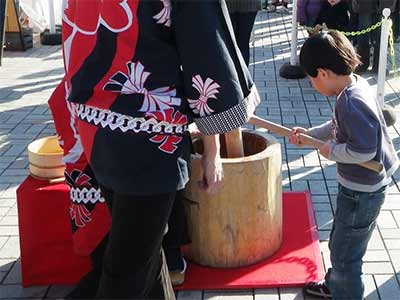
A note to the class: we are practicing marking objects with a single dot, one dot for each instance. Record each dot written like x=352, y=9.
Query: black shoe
x=389, y=114
x=375, y=60
x=317, y=289
x=87, y=287
x=364, y=53
x=176, y=265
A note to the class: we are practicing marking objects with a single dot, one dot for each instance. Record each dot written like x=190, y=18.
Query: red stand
x=47, y=255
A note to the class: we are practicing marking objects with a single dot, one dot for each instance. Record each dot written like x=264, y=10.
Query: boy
x=356, y=133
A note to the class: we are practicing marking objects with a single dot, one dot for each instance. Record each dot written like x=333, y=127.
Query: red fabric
x=295, y=263
x=89, y=227
x=47, y=255
x=81, y=21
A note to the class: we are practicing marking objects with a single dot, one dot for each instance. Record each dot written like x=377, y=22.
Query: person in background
x=277, y=3
x=368, y=14
x=243, y=14
x=396, y=22
x=335, y=14
x=357, y=133
x=308, y=11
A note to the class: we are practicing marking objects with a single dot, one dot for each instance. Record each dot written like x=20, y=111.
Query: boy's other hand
x=294, y=136
x=324, y=150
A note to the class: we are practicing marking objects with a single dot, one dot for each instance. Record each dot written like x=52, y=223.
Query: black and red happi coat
x=137, y=73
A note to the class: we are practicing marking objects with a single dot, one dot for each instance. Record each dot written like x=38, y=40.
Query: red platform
x=296, y=262
x=47, y=255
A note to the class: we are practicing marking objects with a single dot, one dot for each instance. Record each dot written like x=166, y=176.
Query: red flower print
x=86, y=16
x=168, y=142
x=207, y=90
x=78, y=178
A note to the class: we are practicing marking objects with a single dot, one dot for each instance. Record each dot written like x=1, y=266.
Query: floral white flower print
x=207, y=90
x=134, y=83
x=164, y=16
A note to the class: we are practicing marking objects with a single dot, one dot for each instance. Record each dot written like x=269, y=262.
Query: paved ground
x=27, y=80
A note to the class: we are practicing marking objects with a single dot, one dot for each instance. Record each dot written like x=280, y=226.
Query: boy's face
x=323, y=82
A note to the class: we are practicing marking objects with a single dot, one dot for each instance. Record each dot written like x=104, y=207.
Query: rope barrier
x=323, y=26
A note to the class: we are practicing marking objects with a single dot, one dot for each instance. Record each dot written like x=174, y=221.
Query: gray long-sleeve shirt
x=357, y=133
x=338, y=152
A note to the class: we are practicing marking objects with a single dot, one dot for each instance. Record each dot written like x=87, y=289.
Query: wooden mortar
x=242, y=224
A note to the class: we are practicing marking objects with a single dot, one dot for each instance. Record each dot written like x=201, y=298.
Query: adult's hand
x=211, y=164
x=212, y=173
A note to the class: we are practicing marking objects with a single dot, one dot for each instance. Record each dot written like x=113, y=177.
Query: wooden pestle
x=305, y=139
x=234, y=143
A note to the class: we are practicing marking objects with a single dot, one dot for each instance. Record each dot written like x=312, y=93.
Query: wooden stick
x=305, y=139
x=234, y=143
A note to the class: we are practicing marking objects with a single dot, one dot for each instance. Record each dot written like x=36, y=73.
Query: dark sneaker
x=87, y=287
x=317, y=289
x=178, y=276
x=389, y=114
x=176, y=265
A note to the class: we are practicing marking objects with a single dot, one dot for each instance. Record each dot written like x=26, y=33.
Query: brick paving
x=27, y=80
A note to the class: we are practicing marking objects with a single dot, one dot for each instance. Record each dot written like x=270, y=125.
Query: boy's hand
x=294, y=136
x=324, y=150
x=333, y=2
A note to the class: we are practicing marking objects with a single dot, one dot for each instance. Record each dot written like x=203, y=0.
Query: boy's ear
x=322, y=73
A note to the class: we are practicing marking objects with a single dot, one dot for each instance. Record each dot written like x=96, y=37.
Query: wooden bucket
x=45, y=159
x=242, y=224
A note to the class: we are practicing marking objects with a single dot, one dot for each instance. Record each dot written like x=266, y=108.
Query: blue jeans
x=355, y=219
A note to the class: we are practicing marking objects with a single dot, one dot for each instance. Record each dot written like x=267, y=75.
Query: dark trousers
x=396, y=20
x=242, y=25
x=177, y=234
x=132, y=257
x=372, y=38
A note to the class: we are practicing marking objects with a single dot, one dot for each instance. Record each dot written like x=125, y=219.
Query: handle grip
x=305, y=139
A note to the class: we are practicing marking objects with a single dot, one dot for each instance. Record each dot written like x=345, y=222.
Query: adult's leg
x=176, y=237
x=88, y=285
x=363, y=42
x=132, y=260
x=396, y=22
x=355, y=219
x=233, y=17
x=376, y=42
x=177, y=234
x=244, y=26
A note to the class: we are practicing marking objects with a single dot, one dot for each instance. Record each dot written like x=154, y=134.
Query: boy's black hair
x=328, y=50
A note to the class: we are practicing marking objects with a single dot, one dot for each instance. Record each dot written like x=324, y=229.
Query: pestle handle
x=305, y=139
x=234, y=143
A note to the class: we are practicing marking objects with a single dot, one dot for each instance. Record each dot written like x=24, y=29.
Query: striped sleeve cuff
x=232, y=118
